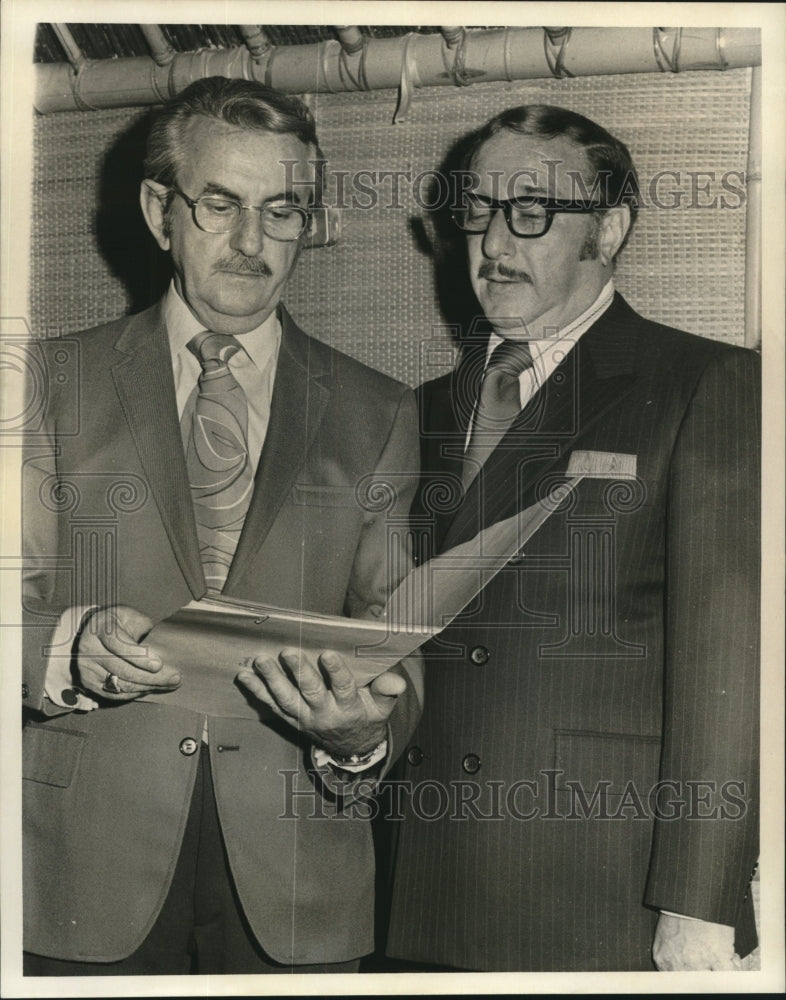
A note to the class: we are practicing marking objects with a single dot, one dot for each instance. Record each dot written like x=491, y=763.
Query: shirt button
x=69, y=697
x=415, y=756
x=479, y=655
x=188, y=746
x=471, y=763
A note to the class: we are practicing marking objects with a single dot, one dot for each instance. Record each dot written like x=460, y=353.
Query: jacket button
x=479, y=655
x=415, y=756
x=188, y=746
x=69, y=696
x=25, y=691
x=471, y=763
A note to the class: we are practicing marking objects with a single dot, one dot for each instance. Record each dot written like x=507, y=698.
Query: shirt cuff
x=321, y=757
x=58, y=682
x=682, y=916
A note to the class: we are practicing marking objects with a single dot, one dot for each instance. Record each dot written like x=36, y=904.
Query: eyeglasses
x=527, y=217
x=214, y=214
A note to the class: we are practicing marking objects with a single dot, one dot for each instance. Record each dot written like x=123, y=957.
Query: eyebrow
x=537, y=190
x=211, y=187
x=533, y=193
x=528, y=192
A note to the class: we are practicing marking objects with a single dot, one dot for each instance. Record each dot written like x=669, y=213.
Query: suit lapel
x=144, y=384
x=596, y=375
x=446, y=409
x=300, y=394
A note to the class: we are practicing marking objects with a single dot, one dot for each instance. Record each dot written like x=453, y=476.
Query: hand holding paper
x=330, y=708
x=216, y=640
x=109, y=644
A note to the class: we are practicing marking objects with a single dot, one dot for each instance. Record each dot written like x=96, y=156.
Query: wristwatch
x=352, y=762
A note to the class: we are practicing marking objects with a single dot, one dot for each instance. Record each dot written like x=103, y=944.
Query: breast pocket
x=306, y=495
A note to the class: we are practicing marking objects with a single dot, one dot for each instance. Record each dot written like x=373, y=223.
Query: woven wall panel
x=376, y=294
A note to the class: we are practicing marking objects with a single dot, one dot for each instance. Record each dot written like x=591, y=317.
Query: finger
x=258, y=688
x=342, y=681
x=112, y=648
x=285, y=695
x=106, y=662
x=133, y=622
x=388, y=685
x=308, y=680
x=724, y=963
x=94, y=682
x=94, y=679
x=123, y=645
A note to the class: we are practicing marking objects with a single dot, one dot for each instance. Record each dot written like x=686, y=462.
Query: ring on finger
x=111, y=684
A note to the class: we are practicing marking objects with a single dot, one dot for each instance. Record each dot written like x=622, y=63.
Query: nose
x=498, y=237
x=249, y=237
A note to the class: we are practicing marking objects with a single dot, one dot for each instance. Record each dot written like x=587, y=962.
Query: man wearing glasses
x=580, y=793
x=225, y=444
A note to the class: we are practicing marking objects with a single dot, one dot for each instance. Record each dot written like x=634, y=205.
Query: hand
x=327, y=705
x=693, y=945
x=108, y=644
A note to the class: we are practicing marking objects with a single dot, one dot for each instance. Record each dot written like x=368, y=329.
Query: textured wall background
x=379, y=295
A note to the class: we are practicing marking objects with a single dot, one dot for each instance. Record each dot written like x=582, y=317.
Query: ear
x=152, y=198
x=613, y=230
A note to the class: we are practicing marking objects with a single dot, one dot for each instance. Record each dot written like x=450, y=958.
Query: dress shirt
x=549, y=352
x=254, y=367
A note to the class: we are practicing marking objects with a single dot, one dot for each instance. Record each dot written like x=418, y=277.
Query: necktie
x=217, y=461
x=499, y=403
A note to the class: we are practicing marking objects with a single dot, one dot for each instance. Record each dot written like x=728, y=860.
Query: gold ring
x=111, y=684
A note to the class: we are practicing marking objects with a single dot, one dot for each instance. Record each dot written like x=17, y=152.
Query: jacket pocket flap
x=610, y=764
x=306, y=495
x=50, y=755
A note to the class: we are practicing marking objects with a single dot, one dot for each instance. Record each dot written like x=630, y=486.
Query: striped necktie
x=498, y=405
x=215, y=430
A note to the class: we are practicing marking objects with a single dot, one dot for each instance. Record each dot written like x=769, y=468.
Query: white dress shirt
x=550, y=352
x=254, y=367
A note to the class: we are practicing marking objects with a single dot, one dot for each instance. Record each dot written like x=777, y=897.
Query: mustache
x=244, y=265
x=493, y=269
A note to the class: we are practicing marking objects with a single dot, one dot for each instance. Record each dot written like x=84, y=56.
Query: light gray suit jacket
x=108, y=520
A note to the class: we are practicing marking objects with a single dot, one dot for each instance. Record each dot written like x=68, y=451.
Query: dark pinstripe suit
x=621, y=651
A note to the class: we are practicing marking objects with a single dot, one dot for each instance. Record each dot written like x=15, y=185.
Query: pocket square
x=601, y=465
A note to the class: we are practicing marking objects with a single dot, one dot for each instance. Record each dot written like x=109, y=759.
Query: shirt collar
x=574, y=329
x=182, y=325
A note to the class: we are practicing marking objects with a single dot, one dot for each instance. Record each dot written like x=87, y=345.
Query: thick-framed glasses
x=216, y=214
x=527, y=217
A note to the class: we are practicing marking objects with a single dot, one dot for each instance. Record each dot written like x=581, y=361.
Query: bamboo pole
x=256, y=40
x=73, y=53
x=753, y=219
x=351, y=38
x=161, y=50
x=481, y=56
x=452, y=36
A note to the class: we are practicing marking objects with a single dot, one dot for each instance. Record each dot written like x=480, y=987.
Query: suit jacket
x=109, y=520
x=588, y=751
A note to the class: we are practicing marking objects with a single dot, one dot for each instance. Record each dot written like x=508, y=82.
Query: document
x=210, y=640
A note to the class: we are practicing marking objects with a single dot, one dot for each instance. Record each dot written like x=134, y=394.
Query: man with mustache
x=580, y=793
x=209, y=446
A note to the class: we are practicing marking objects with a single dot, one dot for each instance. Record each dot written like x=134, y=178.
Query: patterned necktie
x=217, y=461
x=499, y=403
